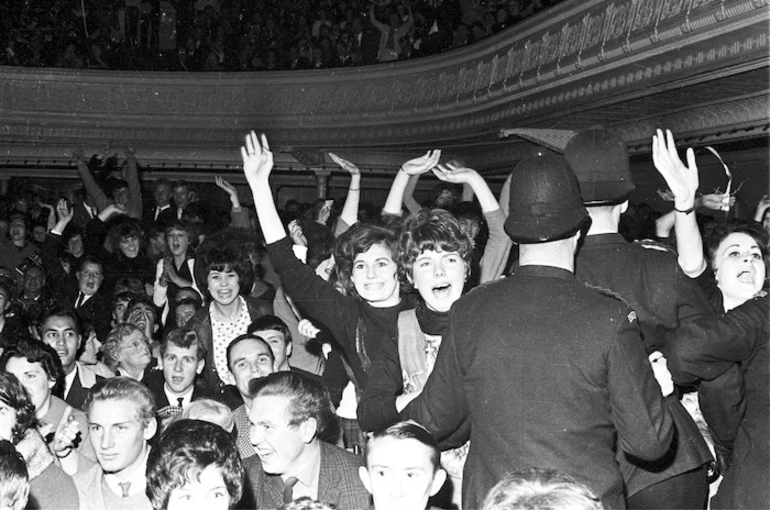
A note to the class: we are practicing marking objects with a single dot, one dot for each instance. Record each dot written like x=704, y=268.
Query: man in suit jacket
x=61, y=331
x=164, y=211
x=182, y=358
x=89, y=299
x=291, y=415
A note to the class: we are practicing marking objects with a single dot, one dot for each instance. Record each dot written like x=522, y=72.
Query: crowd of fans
x=238, y=35
x=157, y=352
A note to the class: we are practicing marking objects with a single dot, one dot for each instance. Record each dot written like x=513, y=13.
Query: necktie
x=289, y=489
x=181, y=401
x=81, y=298
x=124, y=487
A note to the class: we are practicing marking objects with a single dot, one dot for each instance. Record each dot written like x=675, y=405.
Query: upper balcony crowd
x=245, y=35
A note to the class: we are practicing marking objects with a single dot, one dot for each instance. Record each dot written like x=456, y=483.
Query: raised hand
x=257, y=159
x=226, y=186
x=422, y=164
x=681, y=179
x=66, y=434
x=64, y=210
x=325, y=212
x=130, y=152
x=454, y=174
x=347, y=165
x=296, y=234
x=717, y=201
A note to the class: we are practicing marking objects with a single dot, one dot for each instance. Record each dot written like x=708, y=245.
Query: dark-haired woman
x=734, y=371
x=228, y=314
x=49, y=487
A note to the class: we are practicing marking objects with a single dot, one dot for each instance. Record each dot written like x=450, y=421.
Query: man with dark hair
x=182, y=357
x=142, y=313
x=164, y=211
x=60, y=329
x=89, y=299
x=290, y=414
x=402, y=467
x=121, y=419
x=195, y=465
x=544, y=370
x=182, y=196
x=248, y=357
x=277, y=335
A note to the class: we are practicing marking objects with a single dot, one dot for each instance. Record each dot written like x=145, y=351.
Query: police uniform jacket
x=670, y=306
x=551, y=374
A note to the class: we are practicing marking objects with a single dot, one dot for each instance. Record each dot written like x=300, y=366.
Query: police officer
x=668, y=304
x=549, y=372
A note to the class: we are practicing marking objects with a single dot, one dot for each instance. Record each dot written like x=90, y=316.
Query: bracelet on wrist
x=685, y=211
x=354, y=189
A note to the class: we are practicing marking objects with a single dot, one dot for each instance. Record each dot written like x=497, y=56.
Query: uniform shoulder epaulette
x=650, y=244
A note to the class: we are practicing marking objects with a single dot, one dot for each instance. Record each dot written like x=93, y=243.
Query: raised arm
x=257, y=165
x=89, y=183
x=413, y=167
x=683, y=182
x=239, y=217
x=382, y=27
x=762, y=207
x=505, y=195
x=350, y=210
x=131, y=175
x=499, y=244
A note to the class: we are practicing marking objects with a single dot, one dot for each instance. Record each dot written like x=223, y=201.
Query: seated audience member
x=249, y=357
x=91, y=352
x=182, y=359
x=125, y=195
x=127, y=260
x=65, y=428
x=120, y=301
x=290, y=414
x=10, y=326
x=208, y=410
x=182, y=195
x=176, y=270
x=164, y=211
x=185, y=309
x=127, y=351
x=15, y=245
x=121, y=418
x=541, y=488
x=402, y=467
x=61, y=331
x=90, y=300
x=229, y=314
x=34, y=298
x=49, y=486
x=141, y=312
x=195, y=465
x=278, y=336
x=14, y=478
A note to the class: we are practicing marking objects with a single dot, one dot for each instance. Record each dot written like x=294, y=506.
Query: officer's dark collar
x=547, y=271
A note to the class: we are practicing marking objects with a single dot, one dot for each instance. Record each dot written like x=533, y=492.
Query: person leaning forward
x=549, y=372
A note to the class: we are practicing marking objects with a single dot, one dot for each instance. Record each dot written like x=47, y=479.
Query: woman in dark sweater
x=366, y=316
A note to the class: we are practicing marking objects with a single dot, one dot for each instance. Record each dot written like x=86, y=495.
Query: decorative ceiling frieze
x=616, y=63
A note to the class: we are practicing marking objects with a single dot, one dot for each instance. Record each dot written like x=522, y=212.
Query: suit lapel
x=328, y=478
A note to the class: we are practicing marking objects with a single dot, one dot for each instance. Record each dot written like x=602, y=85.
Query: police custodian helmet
x=545, y=201
x=600, y=162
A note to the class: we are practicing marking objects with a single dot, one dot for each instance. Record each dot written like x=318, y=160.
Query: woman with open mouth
x=735, y=374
